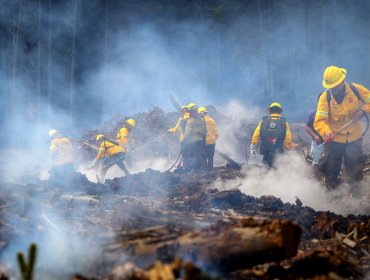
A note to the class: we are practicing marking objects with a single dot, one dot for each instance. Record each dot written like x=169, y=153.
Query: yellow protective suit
x=288, y=136
x=341, y=114
x=212, y=130
x=108, y=149
x=123, y=137
x=61, y=150
x=178, y=126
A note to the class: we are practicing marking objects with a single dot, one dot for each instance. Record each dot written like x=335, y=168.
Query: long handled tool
x=339, y=130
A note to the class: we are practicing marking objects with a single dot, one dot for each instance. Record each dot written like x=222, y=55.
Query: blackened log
x=227, y=247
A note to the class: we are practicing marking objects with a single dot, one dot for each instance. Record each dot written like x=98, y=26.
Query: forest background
x=73, y=64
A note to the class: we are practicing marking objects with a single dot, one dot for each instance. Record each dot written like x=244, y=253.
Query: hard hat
x=131, y=122
x=99, y=136
x=333, y=76
x=192, y=106
x=275, y=105
x=52, y=132
x=202, y=110
x=184, y=108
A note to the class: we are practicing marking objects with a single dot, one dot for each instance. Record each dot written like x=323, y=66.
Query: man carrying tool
x=61, y=153
x=211, y=138
x=123, y=134
x=180, y=126
x=112, y=152
x=194, y=139
x=338, y=121
x=274, y=132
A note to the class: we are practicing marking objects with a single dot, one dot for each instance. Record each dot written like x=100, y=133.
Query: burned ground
x=163, y=225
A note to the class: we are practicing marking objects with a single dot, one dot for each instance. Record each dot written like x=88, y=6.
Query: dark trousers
x=269, y=158
x=209, y=153
x=192, y=155
x=112, y=160
x=352, y=156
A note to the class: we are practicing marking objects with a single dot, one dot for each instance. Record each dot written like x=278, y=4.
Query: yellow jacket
x=212, y=130
x=340, y=114
x=288, y=136
x=178, y=126
x=108, y=149
x=122, y=137
x=61, y=150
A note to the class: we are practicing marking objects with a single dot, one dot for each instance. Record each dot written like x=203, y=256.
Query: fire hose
x=176, y=161
x=147, y=144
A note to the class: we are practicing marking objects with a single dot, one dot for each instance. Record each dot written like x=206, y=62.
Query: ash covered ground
x=227, y=223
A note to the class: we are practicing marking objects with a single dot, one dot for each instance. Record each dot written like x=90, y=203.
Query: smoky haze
x=72, y=65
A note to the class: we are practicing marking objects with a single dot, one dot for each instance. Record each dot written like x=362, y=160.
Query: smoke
x=128, y=58
x=293, y=179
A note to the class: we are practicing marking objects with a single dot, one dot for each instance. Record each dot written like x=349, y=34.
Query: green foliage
x=27, y=267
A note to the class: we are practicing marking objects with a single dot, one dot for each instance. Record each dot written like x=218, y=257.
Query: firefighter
x=274, y=133
x=194, y=139
x=180, y=126
x=112, y=153
x=62, y=157
x=339, y=107
x=211, y=138
x=123, y=134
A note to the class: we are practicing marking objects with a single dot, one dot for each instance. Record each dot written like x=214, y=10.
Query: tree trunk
x=39, y=62
x=73, y=62
x=105, y=59
x=15, y=97
x=49, y=66
x=265, y=81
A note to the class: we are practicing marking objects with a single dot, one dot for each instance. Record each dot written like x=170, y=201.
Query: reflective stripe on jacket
x=61, y=150
x=288, y=135
x=341, y=114
x=108, y=149
x=212, y=130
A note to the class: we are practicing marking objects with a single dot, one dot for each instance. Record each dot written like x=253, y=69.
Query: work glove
x=329, y=136
x=358, y=115
x=252, y=150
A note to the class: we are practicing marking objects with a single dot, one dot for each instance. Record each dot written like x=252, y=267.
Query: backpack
x=272, y=134
x=353, y=88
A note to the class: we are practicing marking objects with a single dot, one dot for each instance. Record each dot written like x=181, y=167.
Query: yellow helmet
x=131, y=122
x=183, y=108
x=275, y=105
x=99, y=136
x=192, y=106
x=333, y=76
x=202, y=110
x=52, y=132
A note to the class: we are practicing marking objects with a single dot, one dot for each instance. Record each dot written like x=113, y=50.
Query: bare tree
x=15, y=30
x=39, y=92
x=105, y=57
x=73, y=62
x=261, y=31
x=49, y=59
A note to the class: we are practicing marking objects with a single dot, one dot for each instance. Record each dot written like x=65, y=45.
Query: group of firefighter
x=334, y=126
x=198, y=135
